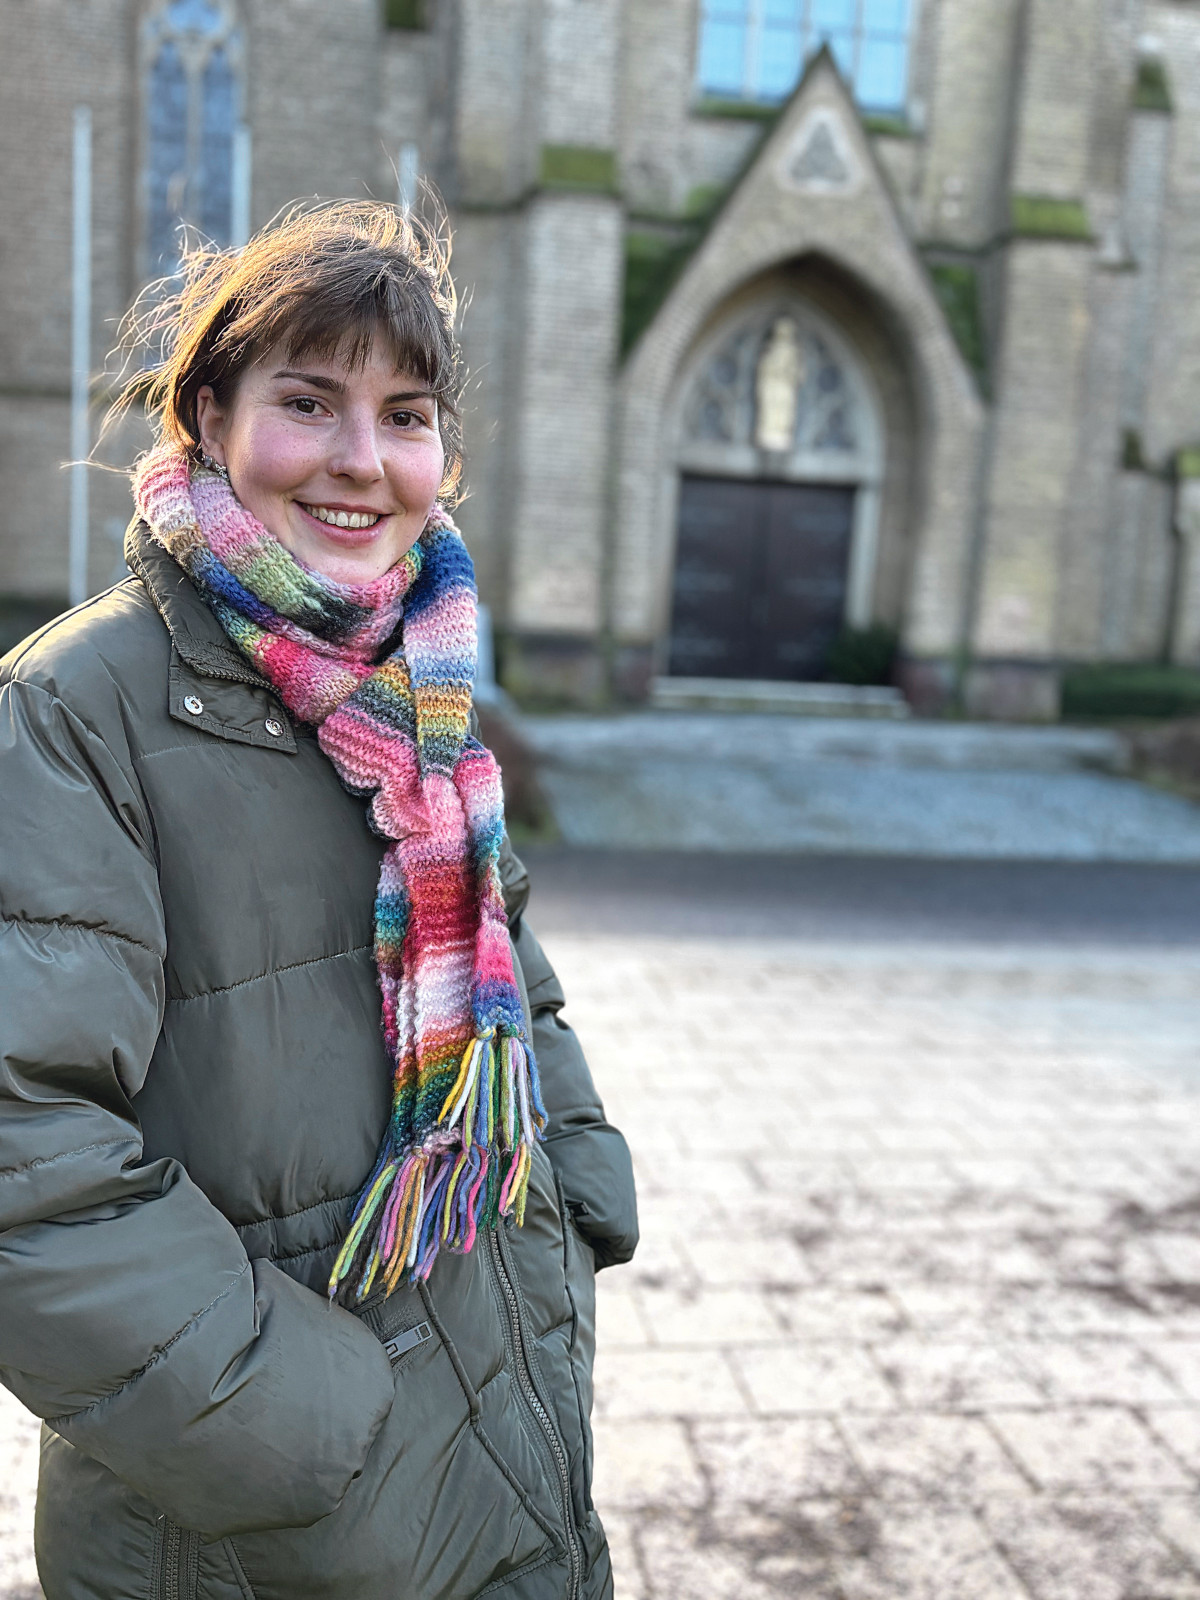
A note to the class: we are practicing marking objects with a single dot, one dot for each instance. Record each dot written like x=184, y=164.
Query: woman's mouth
x=333, y=517
x=341, y=526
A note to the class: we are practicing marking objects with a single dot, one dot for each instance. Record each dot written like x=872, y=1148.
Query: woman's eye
x=305, y=405
x=407, y=419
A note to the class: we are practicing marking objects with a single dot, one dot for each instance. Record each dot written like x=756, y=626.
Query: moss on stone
x=653, y=261
x=580, y=167
x=957, y=287
x=407, y=14
x=1151, y=87
x=888, y=125
x=703, y=200
x=1043, y=216
x=1187, y=462
x=736, y=110
x=1116, y=689
x=1133, y=458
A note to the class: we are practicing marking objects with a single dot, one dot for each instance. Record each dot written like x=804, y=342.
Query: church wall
x=580, y=53
x=1172, y=404
x=967, y=117
x=561, y=453
x=657, y=73
x=1088, y=554
x=497, y=48
x=71, y=55
x=487, y=263
x=1041, y=367
x=1041, y=360
x=1058, y=68
x=313, y=69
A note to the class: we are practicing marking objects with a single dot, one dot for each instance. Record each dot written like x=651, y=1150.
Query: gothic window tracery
x=780, y=386
x=756, y=49
x=192, y=69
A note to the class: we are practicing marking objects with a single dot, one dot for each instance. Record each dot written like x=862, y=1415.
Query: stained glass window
x=756, y=49
x=192, y=77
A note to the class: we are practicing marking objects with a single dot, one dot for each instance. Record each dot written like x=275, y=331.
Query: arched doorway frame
x=862, y=468
x=765, y=228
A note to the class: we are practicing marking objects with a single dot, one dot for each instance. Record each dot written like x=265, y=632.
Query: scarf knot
x=466, y=1106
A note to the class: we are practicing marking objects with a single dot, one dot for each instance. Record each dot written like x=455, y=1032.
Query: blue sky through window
x=756, y=49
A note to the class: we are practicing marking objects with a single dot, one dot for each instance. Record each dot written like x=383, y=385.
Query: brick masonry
x=1007, y=522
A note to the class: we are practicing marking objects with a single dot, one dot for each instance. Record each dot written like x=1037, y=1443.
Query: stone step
x=787, y=699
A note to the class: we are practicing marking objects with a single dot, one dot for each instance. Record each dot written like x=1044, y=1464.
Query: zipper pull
x=404, y=1342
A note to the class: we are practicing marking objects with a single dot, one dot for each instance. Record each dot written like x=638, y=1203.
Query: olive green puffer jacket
x=192, y=1089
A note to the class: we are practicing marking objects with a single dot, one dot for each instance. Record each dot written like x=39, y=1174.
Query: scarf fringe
x=448, y=1189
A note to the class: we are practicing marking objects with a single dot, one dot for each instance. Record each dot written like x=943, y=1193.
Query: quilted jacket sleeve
x=130, y=1316
x=589, y=1155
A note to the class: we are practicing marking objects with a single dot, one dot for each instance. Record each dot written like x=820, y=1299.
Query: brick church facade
x=782, y=317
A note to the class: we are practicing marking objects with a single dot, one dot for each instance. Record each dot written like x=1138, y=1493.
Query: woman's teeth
x=344, y=519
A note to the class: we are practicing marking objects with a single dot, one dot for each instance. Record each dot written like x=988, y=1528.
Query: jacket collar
x=195, y=632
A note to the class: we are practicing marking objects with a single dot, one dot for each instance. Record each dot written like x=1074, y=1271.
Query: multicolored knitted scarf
x=466, y=1108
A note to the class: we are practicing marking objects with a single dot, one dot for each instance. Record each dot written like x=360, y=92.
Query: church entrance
x=780, y=457
x=761, y=572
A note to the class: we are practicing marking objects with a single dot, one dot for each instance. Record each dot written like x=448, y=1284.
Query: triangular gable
x=813, y=185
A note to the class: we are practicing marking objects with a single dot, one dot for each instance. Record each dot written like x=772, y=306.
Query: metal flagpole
x=81, y=340
x=408, y=175
x=240, y=196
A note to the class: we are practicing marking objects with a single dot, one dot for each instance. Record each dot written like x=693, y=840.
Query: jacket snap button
x=193, y=703
x=273, y=727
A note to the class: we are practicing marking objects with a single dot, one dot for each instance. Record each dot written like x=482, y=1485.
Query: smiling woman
x=341, y=461
x=314, y=1179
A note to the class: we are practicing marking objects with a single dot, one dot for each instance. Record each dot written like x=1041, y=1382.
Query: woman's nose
x=356, y=451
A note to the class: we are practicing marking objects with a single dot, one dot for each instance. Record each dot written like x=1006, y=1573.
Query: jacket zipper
x=534, y=1402
x=177, y=1549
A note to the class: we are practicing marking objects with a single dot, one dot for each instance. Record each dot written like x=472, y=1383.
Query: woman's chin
x=341, y=566
x=346, y=560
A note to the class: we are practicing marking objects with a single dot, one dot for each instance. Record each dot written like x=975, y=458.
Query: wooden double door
x=761, y=571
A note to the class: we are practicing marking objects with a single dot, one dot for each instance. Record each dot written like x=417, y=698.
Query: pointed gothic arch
x=778, y=456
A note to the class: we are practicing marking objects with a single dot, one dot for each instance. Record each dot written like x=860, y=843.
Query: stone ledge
x=789, y=699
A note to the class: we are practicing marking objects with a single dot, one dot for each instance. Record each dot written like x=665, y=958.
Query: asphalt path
x=882, y=899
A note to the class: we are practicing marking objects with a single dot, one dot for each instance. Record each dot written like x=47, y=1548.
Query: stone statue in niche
x=777, y=383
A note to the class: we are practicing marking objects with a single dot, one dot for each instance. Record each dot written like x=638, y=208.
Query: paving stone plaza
x=917, y=1308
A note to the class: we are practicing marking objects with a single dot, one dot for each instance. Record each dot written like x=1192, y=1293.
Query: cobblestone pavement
x=917, y=1310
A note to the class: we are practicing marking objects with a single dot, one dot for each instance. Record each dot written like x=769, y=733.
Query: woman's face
x=341, y=464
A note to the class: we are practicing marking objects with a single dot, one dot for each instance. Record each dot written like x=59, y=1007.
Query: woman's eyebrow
x=317, y=380
x=314, y=380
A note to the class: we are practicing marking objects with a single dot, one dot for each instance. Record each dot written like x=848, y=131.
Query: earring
x=215, y=467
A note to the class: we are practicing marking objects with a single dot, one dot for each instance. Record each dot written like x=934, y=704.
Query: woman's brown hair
x=322, y=281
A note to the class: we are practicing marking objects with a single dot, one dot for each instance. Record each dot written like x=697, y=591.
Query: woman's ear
x=210, y=423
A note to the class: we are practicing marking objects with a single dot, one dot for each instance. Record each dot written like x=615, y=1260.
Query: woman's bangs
x=349, y=334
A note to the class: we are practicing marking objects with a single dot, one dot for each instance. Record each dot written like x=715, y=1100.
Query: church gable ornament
x=776, y=385
x=818, y=158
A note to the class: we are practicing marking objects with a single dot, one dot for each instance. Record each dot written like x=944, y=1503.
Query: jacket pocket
x=174, y=1562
